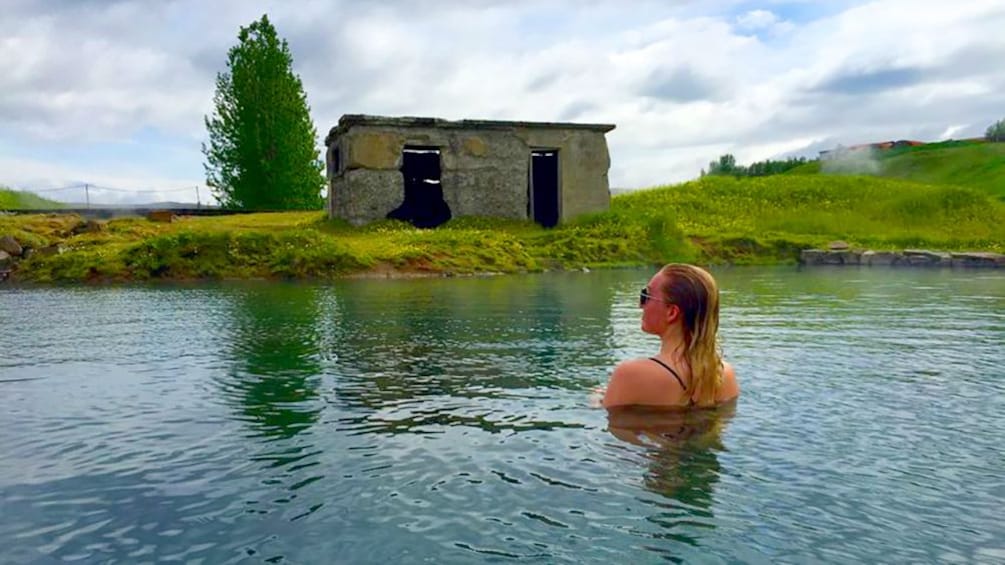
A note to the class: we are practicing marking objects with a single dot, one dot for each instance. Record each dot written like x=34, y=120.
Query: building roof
x=875, y=145
x=349, y=120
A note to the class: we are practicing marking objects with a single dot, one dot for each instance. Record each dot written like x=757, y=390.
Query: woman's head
x=687, y=302
x=685, y=294
x=694, y=291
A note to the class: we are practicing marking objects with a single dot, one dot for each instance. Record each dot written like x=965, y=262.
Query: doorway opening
x=423, y=206
x=542, y=189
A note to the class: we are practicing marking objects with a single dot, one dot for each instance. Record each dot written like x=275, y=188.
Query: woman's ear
x=673, y=312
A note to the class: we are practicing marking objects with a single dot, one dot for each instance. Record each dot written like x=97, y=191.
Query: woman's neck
x=672, y=345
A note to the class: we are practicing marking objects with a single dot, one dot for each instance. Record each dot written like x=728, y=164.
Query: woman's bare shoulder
x=728, y=370
x=730, y=388
x=633, y=366
x=626, y=382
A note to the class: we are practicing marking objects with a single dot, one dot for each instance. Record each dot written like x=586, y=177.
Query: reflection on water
x=272, y=384
x=274, y=344
x=447, y=421
x=680, y=460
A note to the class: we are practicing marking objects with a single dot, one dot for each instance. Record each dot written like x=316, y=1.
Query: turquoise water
x=448, y=421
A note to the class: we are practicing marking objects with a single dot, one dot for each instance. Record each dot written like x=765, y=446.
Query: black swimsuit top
x=672, y=372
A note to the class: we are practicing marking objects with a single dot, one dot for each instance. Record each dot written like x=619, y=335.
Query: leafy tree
x=262, y=153
x=996, y=131
x=772, y=167
x=726, y=165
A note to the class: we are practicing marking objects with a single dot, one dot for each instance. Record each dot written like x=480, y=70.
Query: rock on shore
x=839, y=253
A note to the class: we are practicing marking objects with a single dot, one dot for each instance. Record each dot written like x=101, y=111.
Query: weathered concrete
x=374, y=150
x=483, y=165
x=361, y=196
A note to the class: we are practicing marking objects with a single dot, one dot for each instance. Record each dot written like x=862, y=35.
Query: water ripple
x=412, y=420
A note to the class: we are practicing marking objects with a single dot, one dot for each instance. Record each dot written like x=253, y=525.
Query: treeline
x=996, y=131
x=726, y=166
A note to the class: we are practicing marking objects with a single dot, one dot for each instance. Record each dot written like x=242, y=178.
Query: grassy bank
x=307, y=245
x=759, y=220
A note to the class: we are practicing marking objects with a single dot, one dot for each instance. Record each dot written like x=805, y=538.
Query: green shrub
x=308, y=256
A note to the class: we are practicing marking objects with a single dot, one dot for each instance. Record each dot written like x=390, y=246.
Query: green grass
x=971, y=164
x=18, y=200
x=712, y=220
x=975, y=165
x=768, y=219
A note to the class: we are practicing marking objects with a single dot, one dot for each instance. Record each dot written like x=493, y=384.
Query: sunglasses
x=644, y=297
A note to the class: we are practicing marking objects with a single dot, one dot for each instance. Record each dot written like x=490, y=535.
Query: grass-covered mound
x=18, y=200
x=763, y=219
x=971, y=164
x=716, y=219
x=976, y=165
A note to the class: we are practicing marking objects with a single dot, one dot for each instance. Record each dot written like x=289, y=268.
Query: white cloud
x=757, y=19
x=681, y=85
x=763, y=22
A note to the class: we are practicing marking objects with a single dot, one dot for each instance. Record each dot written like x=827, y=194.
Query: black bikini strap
x=672, y=372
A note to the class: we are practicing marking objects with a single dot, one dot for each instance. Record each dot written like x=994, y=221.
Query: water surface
x=448, y=421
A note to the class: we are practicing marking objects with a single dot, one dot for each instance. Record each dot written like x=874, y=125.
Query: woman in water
x=681, y=306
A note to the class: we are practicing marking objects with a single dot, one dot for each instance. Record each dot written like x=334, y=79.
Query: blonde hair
x=695, y=292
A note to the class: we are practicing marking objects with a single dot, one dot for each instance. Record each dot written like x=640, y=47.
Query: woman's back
x=655, y=382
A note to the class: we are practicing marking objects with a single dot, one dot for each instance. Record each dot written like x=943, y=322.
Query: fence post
x=87, y=195
x=198, y=202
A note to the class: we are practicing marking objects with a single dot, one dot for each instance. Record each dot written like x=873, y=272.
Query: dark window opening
x=336, y=161
x=542, y=189
x=423, y=206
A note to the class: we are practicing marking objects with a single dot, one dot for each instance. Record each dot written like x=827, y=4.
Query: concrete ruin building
x=427, y=170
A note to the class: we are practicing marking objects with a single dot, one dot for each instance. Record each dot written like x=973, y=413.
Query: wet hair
x=694, y=291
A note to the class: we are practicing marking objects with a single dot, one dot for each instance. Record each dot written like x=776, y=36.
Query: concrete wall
x=484, y=171
x=583, y=162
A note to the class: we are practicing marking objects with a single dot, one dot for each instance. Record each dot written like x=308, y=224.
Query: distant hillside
x=18, y=200
x=164, y=205
x=962, y=163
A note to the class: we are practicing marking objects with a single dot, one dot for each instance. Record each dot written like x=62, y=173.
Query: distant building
x=427, y=170
x=842, y=151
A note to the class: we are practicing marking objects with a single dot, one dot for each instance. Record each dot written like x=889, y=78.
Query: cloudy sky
x=113, y=92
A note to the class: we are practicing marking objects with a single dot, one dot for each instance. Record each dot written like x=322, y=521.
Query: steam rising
x=858, y=161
